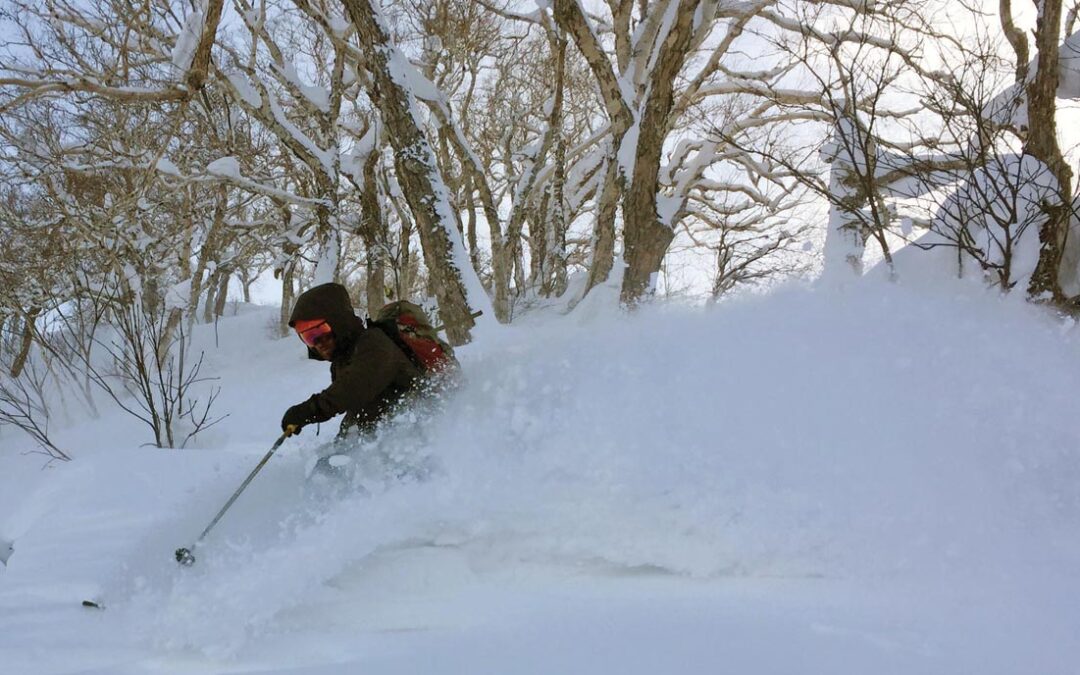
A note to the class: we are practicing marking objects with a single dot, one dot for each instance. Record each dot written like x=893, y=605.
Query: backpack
x=411, y=330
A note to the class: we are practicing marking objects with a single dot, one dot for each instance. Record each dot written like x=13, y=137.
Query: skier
x=369, y=374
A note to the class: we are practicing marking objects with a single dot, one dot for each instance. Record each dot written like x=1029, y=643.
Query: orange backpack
x=411, y=330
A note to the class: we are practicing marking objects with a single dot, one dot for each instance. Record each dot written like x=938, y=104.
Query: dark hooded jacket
x=369, y=374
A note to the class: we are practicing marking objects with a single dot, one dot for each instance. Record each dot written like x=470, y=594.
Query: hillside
x=876, y=479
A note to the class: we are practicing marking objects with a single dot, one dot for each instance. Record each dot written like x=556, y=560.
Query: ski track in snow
x=876, y=479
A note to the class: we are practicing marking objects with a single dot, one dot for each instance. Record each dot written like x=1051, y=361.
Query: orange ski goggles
x=312, y=330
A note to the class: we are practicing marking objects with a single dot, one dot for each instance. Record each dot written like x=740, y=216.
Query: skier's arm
x=303, y=414
x=372, y=369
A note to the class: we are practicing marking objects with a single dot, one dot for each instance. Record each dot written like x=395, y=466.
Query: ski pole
x=185, y=555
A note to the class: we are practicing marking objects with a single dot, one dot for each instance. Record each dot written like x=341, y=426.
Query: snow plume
x=879, y=433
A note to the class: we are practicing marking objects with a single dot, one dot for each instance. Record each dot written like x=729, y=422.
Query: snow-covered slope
x=877, y=479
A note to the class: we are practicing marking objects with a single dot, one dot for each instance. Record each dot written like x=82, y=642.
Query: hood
x=330, y=302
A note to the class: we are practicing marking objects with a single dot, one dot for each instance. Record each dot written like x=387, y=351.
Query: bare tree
x=24, y=404
x=664, y=63
x=126, y=362
x=417, y=168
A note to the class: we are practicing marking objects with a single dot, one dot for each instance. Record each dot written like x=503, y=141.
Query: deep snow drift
x=876, y=479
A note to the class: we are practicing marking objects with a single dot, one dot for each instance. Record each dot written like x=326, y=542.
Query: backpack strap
x=390, y=329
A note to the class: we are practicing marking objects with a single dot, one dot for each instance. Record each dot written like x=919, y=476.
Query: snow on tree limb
x=191, y=56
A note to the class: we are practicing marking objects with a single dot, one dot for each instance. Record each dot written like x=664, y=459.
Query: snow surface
x=876, y=479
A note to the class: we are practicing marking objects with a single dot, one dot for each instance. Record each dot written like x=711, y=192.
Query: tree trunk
x=373, y=231
x=287, y=273
x=470, y=225
x=554, y=281
x=212, y=289
x=603, y=239
x=208, y=252
x=845, y=241
x=26, y=339
x=246, y=280
x=402, y=263
x=520, y=270
x=509, y=261
x=288, y=291
x=538, y=243
x=328, y=267
x=195, y=77
x=424, y=189
x=647, y=242
x=222, y=293
x=1042, y=143
x=646, y=236
x=568, y=15
x=176, y=315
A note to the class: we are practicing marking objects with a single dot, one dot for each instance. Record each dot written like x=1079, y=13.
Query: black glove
x=299, y=415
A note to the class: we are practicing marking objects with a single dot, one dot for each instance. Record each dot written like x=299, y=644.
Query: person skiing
x=369, y=373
